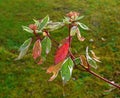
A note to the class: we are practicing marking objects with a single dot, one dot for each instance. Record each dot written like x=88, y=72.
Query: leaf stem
x=69, y=27
x=51, y=37
x=36, y=35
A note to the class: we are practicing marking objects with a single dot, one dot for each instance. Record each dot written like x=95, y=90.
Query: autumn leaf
x=84, y=61
x=33, y=27
x=37, y=49
x=62, y=51
x=55, y=70
x=97, y=59
x=80, y=38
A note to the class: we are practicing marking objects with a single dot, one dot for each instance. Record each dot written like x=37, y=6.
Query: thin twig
x=98, y=76
x=88, y=70
x=106, y=80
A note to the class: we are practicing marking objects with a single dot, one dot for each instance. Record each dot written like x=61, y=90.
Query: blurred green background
x=26, y=79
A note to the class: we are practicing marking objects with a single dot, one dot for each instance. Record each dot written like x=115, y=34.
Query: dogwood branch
x=88, y=70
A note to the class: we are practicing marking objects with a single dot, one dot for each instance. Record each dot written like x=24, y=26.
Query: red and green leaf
x=62, y=51
x=84, y=61
x=37, y=49
x=55, y=70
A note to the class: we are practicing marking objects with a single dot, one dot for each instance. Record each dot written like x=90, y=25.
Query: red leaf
x=84, y=61
x=62, y=51
x=55, y=70
x=33, y=26
x=37, y=49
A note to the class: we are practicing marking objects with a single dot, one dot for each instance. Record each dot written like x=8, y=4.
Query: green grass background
x=26, y=79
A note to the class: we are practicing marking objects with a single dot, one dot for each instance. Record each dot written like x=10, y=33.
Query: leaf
x=83, y=26
x=97, y=59
x=62, y=51
x=24, y=48
x=54, y=26
x=91, y=62
x=73, y=31
x=80, y=38
x=37, y=23
x=77, y=61
x=66, y=70
x=66, y=20
x=37, y=49
x=55, y=70
x=46, y=46
x=43, y=23
x=84, y=61
x=27, y=29
x=79, y=18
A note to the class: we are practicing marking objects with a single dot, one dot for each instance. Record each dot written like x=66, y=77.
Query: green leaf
x=39, y=31
x=77, y=61
x=91, y=62
x=25, y=44
x=37, y=23
x=66, y=20
x=79, y=18
x=43, y=23
x=66, y=70
x=46, y=46
x=54, y=26
x=24, y=48
x=73, y=31
x=27, y=29
x=83, y=26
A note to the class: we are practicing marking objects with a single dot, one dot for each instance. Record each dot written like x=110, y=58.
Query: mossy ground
x=26, y=79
